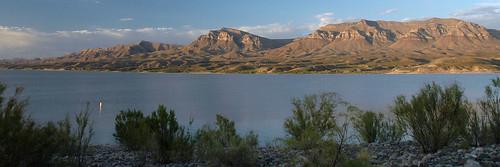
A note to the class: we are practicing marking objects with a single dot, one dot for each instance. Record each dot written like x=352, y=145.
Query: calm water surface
x=254, y=102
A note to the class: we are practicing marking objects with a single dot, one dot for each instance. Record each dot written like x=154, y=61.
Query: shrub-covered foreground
x=319, y=132
x=437, y=116
x=161, y=135
x=485, y=123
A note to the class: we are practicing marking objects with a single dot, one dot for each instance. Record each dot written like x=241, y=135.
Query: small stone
x=472, y=163
x=394, y=156
x=487, y=163
x=483, y=156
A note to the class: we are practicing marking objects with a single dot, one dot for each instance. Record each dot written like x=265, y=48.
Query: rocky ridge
x=227, y=40
x=115, y=52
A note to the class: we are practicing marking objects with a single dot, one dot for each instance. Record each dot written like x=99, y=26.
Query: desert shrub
x=390, y=132
x=170, y=141
x=81, y=136
x=313, y=129
x=434, y=116
x=478, y=130
x=159, y=134
x=368, y=125
x=62, y=133
x=23, y=142
x=222, y=146
x=132, y=130
x=490, y=106
x=312, y=120
x=374, y=127
x=322, y=155
x=484, y=124
x=362, y=160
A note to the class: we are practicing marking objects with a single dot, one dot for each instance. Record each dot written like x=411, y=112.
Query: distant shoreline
x=218, y=73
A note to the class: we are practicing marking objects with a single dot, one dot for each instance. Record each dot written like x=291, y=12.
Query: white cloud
x=126, y=19
x=408, y=19
x=487, y=14
x=114, y=33
x=274, y=30
x=15, y=37
x=19, y=42
x=154, y=29
x=91, y=1
x=390, y=11
x=191, y=32
x=328, y=18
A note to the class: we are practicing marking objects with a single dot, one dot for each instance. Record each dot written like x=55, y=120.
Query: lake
x=255, y=102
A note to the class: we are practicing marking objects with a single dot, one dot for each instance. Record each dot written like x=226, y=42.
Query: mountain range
x=428, y=46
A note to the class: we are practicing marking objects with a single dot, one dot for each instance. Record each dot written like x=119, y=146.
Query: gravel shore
x=400, y=154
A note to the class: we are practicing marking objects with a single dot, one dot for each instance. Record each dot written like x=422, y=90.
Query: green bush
x=327, y=151
x=390, y=132
x=490, y=106
x=82, y=136
x=313, y=129
x=434, y=116
x=159, y=133
x=222, y=146
x=26, y=143
x=22, y=142
x=132, y=130
x=170, y=141
x=368, y=125
x=374, y=127
x=313, y=120
x=362, y=160
x=322, y=155
x=478, y=131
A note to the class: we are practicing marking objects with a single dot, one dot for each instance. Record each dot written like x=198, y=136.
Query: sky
x=48, y=28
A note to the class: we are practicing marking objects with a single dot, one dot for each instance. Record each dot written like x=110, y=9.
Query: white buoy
x=100, y=105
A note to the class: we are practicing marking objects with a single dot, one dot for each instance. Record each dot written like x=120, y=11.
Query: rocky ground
x=409, y=154
x=402, y=154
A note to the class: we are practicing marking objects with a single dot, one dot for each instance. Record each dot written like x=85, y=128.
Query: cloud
x=19, y=42
x=390, y=11
x=487, y=14
x=408, y=19
x=154, y=29
x=274, y=30
x=328, y=18
x=15, y=37
x=91, y=1
x=191, y=32
x=126, y=19
x=113, y=33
